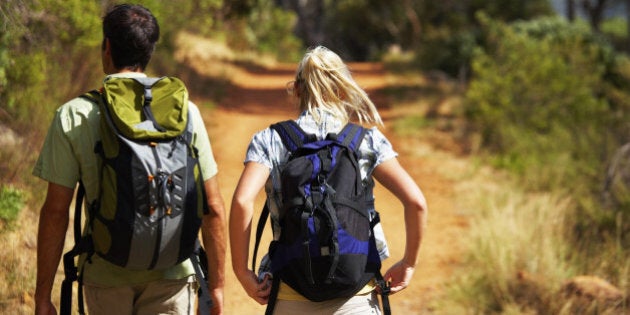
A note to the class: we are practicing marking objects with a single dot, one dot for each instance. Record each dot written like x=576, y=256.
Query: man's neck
x=123, y=70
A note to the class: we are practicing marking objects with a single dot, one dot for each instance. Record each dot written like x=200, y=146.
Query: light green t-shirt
x=67, y=156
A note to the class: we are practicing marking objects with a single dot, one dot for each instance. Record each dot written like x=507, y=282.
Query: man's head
x=130, y=33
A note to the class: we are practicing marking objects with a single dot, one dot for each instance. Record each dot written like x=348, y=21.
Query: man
x=67, y=157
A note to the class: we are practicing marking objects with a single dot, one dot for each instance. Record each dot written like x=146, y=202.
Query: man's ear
x=106, y=57
x=106, y=47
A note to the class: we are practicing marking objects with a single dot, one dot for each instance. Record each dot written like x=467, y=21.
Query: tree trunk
x=571, y=10
x=414, y=20
x=595, y=12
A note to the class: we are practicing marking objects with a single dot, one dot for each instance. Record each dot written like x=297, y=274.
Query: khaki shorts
x=158, y=297
x=365, y=304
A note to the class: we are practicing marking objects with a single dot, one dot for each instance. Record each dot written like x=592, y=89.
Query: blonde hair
x=323, y=81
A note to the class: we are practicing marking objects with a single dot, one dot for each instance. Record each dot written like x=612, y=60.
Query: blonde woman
x=328, y=98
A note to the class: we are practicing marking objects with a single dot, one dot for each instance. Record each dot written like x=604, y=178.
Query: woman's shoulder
x=374, y=134
x=375, y=143
x=265, y=135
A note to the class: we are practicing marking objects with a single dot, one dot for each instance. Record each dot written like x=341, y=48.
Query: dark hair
x=132, y=31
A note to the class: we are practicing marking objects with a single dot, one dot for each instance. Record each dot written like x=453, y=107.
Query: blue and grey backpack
x=326, y=247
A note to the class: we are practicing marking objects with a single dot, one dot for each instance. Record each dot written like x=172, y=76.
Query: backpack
x=152, y=197
x=326, y=247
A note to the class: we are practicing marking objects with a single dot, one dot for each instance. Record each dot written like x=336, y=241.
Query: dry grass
x=517, y=254
x=17, y=272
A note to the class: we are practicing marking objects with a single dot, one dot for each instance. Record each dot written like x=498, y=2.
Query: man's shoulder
x=77, y=111
x=79, y=104
x=193, y=108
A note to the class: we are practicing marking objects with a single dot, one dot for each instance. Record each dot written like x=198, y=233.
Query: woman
x=328, y=98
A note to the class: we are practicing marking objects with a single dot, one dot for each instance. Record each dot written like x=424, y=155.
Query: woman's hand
x=399, y=275
x=258, y=291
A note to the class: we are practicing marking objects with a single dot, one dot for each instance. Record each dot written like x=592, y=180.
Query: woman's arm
x=251, y=182
x=394, y=177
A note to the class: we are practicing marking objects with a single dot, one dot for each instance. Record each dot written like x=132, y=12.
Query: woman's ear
x=296, y=88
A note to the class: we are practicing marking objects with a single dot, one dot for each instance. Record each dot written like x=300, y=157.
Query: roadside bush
x=270, y=31
x=537, y=100
x=11, y=203
x=448, y=51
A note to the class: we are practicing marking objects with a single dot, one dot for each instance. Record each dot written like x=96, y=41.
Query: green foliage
x=11, y=203
x=511, y=10
x=362, y=29
x=270, y=31
x=445, y=50
x=41, y=39
x=4, y=61
x=536, y=101
x=616, y=27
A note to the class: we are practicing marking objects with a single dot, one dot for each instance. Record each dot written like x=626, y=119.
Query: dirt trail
x=257, y=98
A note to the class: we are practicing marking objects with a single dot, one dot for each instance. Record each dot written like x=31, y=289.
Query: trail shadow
x=283, y=69
x=258, y=101
x=201, y=87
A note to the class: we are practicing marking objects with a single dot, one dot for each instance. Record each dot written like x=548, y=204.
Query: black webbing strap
x=262, y=221
x=382, y=284
x=273, y=295
x=200, y=263
x=385, y=290
x=70, y=269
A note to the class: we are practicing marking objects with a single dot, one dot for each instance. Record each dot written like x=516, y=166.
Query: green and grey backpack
x=152, y=196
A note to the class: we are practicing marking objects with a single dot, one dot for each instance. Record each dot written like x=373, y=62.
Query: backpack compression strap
x=148, y=83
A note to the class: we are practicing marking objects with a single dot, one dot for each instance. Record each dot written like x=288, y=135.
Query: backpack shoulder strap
x=200, y=264
x=93, y=96
x=350, y=136
x=292, y=135
x=71, y=270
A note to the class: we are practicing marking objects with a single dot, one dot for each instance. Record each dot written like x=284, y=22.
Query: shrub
x=536, y=100
x=11, y=203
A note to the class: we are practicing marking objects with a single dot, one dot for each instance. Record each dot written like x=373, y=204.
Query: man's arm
x=53, y=223
x=213, y=234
